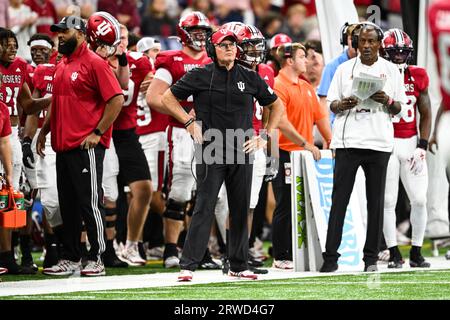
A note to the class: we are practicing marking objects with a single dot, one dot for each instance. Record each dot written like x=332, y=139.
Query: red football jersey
x=149, y=120
x=13, y=78
x=416, y=80
x=5, y=124
x=139, y=68
x=47, y=15
x=43, y=81
x=83, y=84
x=439, y=20
x=178, y=63
x=266, y=72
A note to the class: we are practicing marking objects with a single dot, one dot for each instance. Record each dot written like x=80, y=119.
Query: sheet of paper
x=366, y=85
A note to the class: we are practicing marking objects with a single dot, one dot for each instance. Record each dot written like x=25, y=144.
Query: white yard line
x=78, y=284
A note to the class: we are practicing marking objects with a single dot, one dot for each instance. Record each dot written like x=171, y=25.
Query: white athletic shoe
x=93, y=269
x=172, y=262
x=247, y=274
x=155, y=253
x=283, y=264
x=185, y=275
x=131, y=256
x=63, y=268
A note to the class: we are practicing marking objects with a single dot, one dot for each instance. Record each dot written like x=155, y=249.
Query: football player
x=407, y=162
x=192, y=30
x=15, y=93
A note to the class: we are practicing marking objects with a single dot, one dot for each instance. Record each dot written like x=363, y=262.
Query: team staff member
x=303, y=111
x=223, y=99
x=86, y=100
x=363, y=135
x=438, y=18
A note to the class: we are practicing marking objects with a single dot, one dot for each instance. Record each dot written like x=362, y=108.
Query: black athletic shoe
x=257, y=270
x=28, y=266
x=395, y=258
x=416, y=260
x=254, y=263
x=110, y=258
x=7, y=261
x=209, y=264
x=329, y=266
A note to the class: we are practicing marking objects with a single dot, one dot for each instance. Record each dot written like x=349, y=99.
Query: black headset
x=344, y=30
x=209, y=46
x=360, y=27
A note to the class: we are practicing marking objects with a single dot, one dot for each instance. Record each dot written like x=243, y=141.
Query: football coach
x=224, y=94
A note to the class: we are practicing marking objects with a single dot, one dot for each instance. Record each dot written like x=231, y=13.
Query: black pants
x=79, y=181
x=281, y=223
x=374, y=164
x=238, y=181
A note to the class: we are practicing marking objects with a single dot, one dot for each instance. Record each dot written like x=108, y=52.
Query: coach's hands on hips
x=417, y=161
x=91, y=141
x=40, y=144
x=196, y=132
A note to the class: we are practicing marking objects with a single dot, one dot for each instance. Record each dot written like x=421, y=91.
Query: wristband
x=423, y=144
x=97, y=132
x=123, y=61
x=188, y=122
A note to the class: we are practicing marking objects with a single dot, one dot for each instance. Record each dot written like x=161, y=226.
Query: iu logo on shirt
x=74, y=76
x=241, y=86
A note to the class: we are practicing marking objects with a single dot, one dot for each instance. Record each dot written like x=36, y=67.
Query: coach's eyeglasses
x=226, y=45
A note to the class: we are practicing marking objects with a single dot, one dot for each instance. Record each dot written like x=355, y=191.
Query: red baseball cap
x=221, y=34
x=279, y=39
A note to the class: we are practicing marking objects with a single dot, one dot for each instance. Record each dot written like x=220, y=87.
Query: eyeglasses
x=225, y=46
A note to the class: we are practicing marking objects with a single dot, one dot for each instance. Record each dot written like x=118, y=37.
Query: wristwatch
x=97, y=132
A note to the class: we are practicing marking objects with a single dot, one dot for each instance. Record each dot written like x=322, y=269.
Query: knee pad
x=175, y=210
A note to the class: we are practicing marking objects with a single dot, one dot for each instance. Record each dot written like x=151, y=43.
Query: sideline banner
x=311, y=202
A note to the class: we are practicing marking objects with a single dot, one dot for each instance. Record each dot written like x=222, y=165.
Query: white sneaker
x=172, y=262
x=3, y=270
x=93, y=269
x=384, y=255
x=246, y=274
x=283, y=264
x=185, y=275
x=63, y=268
x=131, y=256
x=155, y=253
x=447, y=255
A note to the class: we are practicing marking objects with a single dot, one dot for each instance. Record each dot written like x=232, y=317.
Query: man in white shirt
x=363, y=135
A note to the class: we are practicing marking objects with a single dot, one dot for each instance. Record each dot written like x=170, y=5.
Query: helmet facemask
x=253, y=51
x=401, y=56
x=196, y=38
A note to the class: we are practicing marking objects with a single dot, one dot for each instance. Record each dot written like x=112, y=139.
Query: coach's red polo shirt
x=82, y=86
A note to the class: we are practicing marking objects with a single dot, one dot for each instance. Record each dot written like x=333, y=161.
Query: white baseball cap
x=147, y=43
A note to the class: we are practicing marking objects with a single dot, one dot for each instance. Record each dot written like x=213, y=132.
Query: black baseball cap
x=69, y=22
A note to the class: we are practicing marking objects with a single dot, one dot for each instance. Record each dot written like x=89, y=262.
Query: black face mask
x=68, y=47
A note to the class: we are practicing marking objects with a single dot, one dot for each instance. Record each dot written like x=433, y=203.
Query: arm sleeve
x=106, y=81
x=187, y=85
x=264, y=94
x=325, y=82
x=334, y=92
